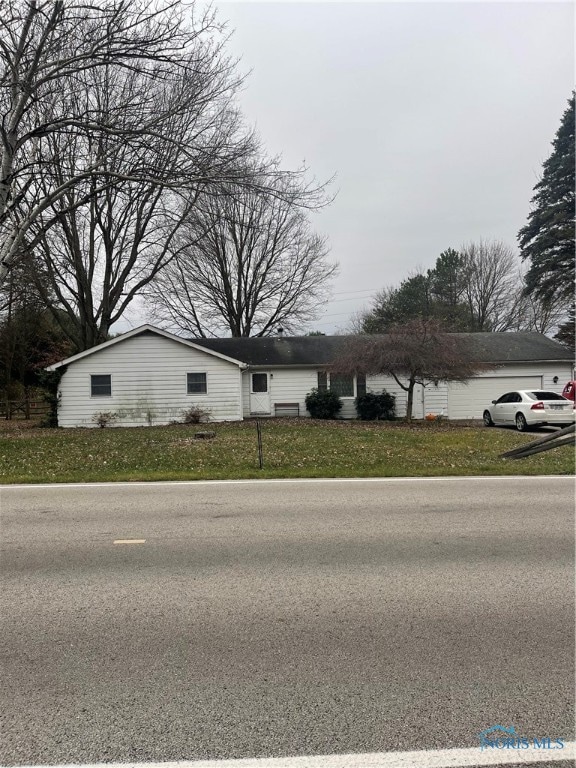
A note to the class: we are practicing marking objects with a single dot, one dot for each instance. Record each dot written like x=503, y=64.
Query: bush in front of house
x=323, y=404
x=104, y=419
x=373, y=405
x=196, y=415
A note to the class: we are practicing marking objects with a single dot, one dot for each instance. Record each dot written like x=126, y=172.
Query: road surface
x=283, y=618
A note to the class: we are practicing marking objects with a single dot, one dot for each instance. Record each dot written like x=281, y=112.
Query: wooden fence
x=25, y=408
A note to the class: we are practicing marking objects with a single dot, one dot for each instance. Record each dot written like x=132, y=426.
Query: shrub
x=195, y=415
x=323, y=404
x=104, y=418
x=374, y=405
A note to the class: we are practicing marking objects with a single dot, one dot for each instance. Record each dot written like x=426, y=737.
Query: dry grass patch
x=292, y=448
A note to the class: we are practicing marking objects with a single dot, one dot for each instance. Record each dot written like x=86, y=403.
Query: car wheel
x=487, y=419
x=521, y=424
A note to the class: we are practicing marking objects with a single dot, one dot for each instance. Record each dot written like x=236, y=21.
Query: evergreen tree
x=447, y=284
x=436, y=294
x=399, y=305
x=567, y=330
x=547, y=240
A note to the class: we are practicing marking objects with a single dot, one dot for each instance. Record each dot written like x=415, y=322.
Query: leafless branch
x=131, y=78
x=248, y=262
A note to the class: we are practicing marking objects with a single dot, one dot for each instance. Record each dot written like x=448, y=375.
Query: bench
x=286, y=409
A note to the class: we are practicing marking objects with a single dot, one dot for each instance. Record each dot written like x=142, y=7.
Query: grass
x=292, y=448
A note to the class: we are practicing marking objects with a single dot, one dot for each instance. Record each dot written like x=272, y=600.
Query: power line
x=352, y=298
x=336, y=314
x=362, y=290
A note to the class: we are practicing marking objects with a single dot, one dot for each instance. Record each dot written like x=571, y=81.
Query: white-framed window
x=101, y=385
x=196, y=384
x=259, y=382
x=345, y=385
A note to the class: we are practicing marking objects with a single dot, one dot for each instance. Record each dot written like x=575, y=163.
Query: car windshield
x=545, y=396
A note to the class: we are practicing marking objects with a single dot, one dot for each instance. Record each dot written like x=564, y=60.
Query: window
x=259, y=382
x=101, y=385
x=196, y=383
x=342, y=384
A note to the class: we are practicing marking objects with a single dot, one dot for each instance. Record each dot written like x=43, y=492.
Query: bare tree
x=416, y=352
x=247, y=262
x=169, y=84
x=536, y=313
x=99, y=255
x=492, y=290
x=355, y=325
x=106, y=237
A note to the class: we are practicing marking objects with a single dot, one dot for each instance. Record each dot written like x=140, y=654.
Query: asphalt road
x=283, y=618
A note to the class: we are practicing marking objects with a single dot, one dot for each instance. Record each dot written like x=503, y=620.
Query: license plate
x=557, y=407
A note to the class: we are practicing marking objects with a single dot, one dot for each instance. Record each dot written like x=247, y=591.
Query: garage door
x=468, y=401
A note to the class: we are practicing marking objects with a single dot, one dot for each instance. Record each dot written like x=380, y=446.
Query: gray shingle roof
x=322, y=350
x=514, y=347
x=290, y=350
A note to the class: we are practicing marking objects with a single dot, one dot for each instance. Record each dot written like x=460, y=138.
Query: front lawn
x=292, y=448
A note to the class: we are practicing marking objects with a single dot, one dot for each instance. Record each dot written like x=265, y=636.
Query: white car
x=533, y=408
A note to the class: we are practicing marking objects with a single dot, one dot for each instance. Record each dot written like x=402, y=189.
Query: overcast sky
x=434, y=117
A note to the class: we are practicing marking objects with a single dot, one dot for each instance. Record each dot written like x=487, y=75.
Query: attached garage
x=468, y=401
x=515, y=361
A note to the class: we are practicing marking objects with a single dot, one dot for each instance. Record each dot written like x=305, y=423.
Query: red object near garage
x=569, y=390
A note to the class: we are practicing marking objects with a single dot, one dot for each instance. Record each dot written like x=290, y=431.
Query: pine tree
x=547, y=240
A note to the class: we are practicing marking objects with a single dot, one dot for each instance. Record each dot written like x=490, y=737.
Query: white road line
x=284, y=481
x=130, y=541
x=440, y=758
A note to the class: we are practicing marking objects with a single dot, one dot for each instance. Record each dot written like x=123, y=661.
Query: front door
x=260, y=394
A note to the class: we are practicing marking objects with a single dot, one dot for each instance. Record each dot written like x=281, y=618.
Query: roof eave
x=285, y=366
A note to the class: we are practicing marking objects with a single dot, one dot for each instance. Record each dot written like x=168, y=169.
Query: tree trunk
x=410, y=400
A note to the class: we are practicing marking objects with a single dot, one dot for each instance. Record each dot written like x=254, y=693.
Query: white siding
x=292, y=386
x=564, y=371
x=378, y=383
x=245, y=394
x=436, y=399
x=148, y=384
x=286, y=386
x=348, y=410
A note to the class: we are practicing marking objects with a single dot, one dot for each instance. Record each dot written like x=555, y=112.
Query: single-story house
x=149, y=376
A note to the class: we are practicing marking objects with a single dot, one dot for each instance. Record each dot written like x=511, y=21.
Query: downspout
x=241, y=368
